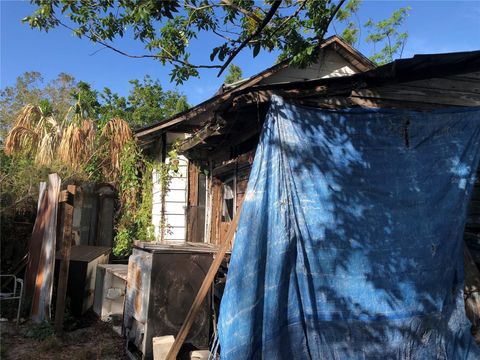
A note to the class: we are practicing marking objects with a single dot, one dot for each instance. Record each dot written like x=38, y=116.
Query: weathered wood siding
x=330, y=64
x=174, y=203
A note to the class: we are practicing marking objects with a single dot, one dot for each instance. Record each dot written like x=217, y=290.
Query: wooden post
x=66, y=200
x=207, y=282
x=47, y=217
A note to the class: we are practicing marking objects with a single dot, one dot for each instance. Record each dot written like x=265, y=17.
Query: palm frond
x=115, y=135
x=47, y=149
x=20, y=139
x=77, y=143
x=28, y=117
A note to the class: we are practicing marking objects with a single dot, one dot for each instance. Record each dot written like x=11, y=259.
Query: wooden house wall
x=330, y=64
x=172, y=206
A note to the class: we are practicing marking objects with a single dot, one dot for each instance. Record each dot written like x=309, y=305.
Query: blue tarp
x=349, y=244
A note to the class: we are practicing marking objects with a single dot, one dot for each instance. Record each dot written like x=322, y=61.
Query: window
x=228, y=207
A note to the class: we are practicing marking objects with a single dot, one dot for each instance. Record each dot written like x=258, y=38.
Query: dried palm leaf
x=47, y=149
x=77, y=143
x=115, y=135
x=28, y=117
x=20, y=139
x=88, y=134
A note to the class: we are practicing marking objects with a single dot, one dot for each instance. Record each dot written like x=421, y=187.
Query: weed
x=40, y=331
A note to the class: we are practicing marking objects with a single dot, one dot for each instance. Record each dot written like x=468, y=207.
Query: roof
x=354, y=57
x=421, y=82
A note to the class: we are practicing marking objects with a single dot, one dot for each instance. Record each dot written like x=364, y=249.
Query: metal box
x=81, y=275
x=162, y=283
x=110, y=286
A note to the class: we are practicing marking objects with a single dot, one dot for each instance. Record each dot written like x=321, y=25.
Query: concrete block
x=161, y=346
x=199, y=355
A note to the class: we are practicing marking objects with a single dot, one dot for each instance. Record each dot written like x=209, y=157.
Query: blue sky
x=434, y=27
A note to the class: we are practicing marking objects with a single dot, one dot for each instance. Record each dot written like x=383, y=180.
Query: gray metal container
x=162, y=283
x=110, y=286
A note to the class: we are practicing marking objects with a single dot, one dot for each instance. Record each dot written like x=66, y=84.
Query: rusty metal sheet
x=42, y=296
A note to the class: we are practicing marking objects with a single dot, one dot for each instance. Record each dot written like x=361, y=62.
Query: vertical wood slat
x=67, y=207
x=202, y=292
x=216, y=210
x=192, y=202
x=41, y=303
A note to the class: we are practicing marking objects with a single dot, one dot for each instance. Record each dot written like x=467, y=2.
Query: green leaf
x=256, y=49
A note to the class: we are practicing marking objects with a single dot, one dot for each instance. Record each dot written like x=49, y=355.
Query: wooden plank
x=467, y=76
x=67, y=207
x=395, y=104
x=207, y=282
x=199, y=137
x=36, y=240
x=192, y=202
x=41, y=303
x=409, y=93
x=448, y=84
x=216, y=210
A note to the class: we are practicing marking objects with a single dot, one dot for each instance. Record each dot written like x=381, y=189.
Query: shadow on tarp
x=350, y=241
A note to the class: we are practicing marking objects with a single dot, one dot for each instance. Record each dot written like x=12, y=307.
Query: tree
x=148, y=103
x=168, y=28
x=234, y=74
x=12, y=98
x=387, y=31
x=384, y=33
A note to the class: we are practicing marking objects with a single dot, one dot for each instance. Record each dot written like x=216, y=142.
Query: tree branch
x=243, y=11
x=97, y=39
x=299, y=9
x=264, y=23
x=332, y=16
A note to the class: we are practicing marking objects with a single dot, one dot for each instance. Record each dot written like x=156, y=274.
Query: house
x=220, y=135
x=186, y=204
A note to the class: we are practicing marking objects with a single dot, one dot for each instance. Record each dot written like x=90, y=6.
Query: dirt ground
x=28, y=341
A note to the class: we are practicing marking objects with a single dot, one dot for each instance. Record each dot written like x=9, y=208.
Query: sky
x=434, y=27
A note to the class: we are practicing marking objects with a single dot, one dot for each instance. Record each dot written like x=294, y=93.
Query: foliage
x=114, y=138
x=78, y=132
x=384, y=33
x=136, y=194
x=149, y=103
x=29, y=89
x=351, y=32
x=41, y=331
x=67, y=127
x=71, y=101
x=129, y=186
x=387, y=30
x=234, y=74
x=167, y=29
